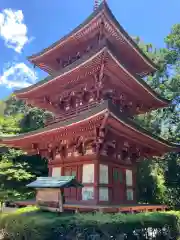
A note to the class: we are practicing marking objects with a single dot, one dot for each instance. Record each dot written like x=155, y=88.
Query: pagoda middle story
x=94, y=89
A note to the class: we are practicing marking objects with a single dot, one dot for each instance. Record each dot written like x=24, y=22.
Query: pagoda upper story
x=97, y=61
x=86, y=37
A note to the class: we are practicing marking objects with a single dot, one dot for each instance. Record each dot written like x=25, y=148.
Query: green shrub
x=33, y=224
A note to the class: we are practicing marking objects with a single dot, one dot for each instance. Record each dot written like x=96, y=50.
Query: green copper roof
x=54, y=182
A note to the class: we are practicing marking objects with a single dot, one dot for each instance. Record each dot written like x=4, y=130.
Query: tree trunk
x=2, y=206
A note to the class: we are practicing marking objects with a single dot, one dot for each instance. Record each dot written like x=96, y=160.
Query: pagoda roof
x=62, y=72
x=88, y=60
x=102, y=8
x=127, y=125
x=55, y=182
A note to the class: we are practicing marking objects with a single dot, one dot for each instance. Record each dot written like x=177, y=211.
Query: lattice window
x=103, y=194
x=88, y=173
x=130, y=194
x=129, y=178
x=103, y=174
x=87, y=193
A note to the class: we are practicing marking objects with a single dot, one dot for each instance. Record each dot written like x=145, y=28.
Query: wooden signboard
x=46, y=196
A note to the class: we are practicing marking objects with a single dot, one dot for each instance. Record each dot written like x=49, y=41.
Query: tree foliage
x=16, y=168
x=160, y=176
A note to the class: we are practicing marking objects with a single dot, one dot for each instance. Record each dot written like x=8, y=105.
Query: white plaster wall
x=103, y=194
x=56, y=171
x=88, y=173
x=130, y=194
x=103, y=174
x=88, y=193
x=129, y=179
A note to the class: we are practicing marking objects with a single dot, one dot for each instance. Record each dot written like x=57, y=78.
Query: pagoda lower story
x=100, y=147
x=103, y=183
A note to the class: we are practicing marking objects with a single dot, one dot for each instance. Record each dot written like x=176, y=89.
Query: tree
x=16, y=171
x=35, y=118
x=163, y=172
x=16, y=168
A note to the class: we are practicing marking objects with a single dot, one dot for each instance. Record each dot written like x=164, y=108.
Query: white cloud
x=18, y=76
x=13, y=30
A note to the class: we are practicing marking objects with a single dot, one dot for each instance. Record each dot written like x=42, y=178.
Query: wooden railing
x=70, y=114
x=64, y=116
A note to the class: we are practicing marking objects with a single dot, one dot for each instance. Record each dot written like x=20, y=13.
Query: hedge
x=32, y=224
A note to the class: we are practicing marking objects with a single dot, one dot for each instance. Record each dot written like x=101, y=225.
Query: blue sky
x=27, y=27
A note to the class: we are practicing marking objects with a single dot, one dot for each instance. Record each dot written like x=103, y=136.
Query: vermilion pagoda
x=94, y=89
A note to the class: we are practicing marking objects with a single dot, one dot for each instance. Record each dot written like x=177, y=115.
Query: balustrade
x=67, y=110
x=69, y=114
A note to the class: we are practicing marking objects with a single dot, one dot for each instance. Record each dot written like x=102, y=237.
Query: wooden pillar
x=134, y=169
x=61, y=200
x=79, y=178
x=96, y=181
x=49, y=171
x=110, y=178
x=62, y=170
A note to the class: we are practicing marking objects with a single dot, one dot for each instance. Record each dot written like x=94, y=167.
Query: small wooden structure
x=50, y=191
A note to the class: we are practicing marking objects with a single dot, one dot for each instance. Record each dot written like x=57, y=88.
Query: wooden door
x=118, y=185
x=70, y=193
x=73, y=191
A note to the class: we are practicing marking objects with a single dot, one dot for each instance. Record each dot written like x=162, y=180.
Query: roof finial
x=97, y=3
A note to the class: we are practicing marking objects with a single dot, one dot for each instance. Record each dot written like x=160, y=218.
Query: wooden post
x=61, y=202
x=96, y=181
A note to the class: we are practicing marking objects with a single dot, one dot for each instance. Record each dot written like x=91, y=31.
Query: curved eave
x=49, y=79
x=102, y=7
x=84, y=60
x=143, y=84
x=82, y=117
x=137, y=128
x=129, y=39
x=74, y=31
x=101, y=109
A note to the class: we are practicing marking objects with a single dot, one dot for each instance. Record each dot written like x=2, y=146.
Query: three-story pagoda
x=94, y=89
